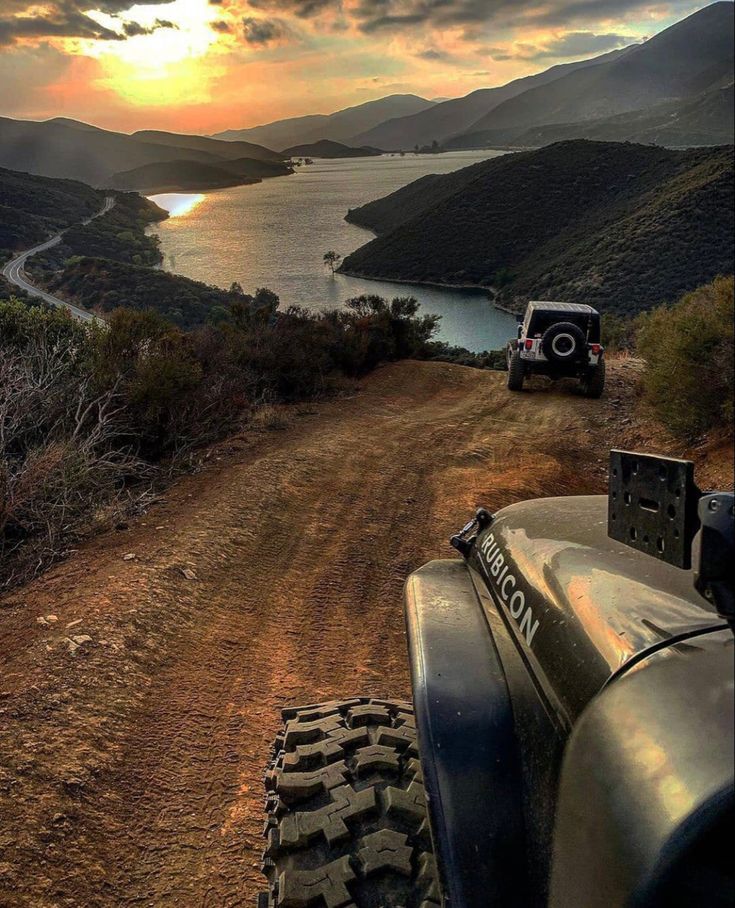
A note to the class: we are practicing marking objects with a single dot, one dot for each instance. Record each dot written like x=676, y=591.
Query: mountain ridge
x=684, y=60
x=339, y=126
x=620, y=226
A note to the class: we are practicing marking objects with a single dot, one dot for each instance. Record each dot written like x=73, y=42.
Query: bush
x=86, y=411
x=688, y=348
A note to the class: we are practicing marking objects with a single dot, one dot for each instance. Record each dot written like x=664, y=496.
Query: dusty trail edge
x=139, y=696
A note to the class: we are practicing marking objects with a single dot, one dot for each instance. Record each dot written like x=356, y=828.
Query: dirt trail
x=139, y=697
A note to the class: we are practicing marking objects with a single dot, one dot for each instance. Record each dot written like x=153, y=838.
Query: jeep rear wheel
x=347, y=820
x=516, y=371
x=593, y=383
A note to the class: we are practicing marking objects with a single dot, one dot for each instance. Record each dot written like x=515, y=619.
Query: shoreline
x=435, y=284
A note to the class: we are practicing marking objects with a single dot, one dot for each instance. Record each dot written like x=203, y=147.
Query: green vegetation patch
x=34, y=208
x=688, y=349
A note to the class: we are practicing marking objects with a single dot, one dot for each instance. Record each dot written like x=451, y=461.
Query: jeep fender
x=468, y=745
x=646, y=802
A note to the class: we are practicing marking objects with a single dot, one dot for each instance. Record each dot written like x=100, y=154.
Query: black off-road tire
x=346, y=815
x=593, y=383
x=516, y=371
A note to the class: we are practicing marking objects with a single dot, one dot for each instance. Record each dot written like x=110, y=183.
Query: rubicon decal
x=505, y=585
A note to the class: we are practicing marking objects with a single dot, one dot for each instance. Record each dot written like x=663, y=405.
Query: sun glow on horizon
x=164, y=67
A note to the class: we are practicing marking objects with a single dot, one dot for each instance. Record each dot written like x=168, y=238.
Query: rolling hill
x=33, y=208
x=689, y=58
x=67, y=149
x=218, y=148
x=184, y=175
x=620, y=226
x=339, y=127
x=445, y=120
x=328, y=149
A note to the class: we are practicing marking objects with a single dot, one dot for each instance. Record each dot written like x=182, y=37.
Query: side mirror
x=520, y=331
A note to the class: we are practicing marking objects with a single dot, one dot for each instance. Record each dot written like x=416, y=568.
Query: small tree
x=332, y=260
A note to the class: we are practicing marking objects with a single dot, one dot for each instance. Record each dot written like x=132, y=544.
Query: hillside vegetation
x=33, y=208
x=105, y=285
x=689, y=351
x=89, y=411
x=623, y=227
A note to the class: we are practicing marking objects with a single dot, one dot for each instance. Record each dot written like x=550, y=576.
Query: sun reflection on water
x=177, y=204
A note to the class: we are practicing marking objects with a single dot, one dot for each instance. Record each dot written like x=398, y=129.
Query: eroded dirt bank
x=139, y=695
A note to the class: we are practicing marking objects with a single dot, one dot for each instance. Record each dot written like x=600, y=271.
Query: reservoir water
x=274, y=234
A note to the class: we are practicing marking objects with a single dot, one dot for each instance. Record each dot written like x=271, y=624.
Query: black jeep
x=570, y=740
x=559, y=340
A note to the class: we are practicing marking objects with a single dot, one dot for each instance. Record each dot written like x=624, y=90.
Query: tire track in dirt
x=130, y=769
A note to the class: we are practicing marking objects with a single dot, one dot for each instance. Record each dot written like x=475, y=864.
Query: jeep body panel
x=582, y=607
x=646, y=793
x=507, y=649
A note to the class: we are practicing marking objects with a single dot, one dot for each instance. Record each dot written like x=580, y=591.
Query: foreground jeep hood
x=582, y=607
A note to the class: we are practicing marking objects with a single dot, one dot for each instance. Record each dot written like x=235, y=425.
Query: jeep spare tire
x=564, y=343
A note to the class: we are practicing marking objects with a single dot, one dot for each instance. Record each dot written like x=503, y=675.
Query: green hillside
x=620, y=226
x=33, y=208
x=105, y=285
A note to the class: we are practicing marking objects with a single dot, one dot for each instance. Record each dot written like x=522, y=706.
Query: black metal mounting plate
x=652, y=505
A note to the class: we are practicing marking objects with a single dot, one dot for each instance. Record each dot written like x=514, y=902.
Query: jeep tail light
x=529, y=345
x=596, y=349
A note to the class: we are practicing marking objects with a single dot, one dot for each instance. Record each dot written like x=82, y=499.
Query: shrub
x=688, y=348
x=88, y=410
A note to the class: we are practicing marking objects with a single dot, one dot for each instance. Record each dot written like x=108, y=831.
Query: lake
x=274, y=234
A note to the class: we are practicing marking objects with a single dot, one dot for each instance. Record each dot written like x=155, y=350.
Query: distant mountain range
x=328, y=149
x=675, y=89
x=685, y=61
x=620, y=226
x=341, y=126
x=442, y=121
x=706, y=119
x=68, y=149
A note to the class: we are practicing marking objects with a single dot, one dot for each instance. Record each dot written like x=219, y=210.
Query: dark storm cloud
x=131, y=29
x=378, y=15
x=261, y=32
x=304, y=9
x=577, y=44
x=66, y=19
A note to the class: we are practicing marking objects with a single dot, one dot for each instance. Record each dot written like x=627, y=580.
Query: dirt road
x=141, y=680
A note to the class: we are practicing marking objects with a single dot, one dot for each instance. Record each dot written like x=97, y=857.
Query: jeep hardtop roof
x=579, y=308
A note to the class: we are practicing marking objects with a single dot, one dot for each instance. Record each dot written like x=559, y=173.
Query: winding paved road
x=14, y=270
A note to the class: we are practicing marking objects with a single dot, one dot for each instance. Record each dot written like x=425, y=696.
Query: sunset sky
x=206, y=65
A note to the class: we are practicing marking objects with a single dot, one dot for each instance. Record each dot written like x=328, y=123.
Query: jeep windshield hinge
x=465, y=539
